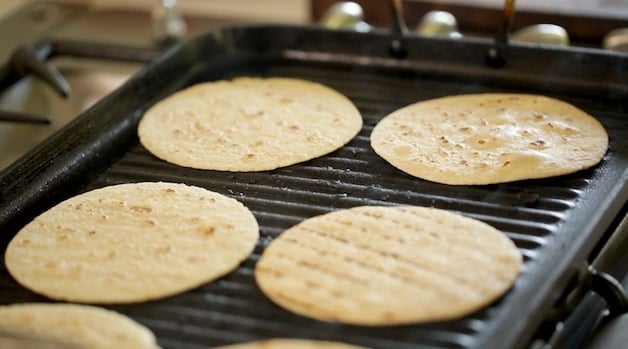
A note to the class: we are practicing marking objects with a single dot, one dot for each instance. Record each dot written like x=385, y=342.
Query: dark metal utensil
x=497, y=55
x=398, y=47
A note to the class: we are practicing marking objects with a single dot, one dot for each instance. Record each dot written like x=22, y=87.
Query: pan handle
x=600, y=276
x=611, y=290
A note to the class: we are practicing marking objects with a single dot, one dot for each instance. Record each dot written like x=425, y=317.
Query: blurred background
x=257, y=10
x=586, y=21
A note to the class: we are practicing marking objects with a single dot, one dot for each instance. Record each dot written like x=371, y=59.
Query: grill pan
x=555, y=222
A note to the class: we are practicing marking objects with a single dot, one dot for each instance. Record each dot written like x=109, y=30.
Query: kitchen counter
x=284, y=11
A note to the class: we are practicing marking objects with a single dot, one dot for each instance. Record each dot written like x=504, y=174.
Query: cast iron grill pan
x=554, y=222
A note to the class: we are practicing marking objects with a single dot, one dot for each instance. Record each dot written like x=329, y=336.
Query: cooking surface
x=553, y=221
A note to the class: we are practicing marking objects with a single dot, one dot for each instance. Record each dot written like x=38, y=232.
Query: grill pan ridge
x=554, y=222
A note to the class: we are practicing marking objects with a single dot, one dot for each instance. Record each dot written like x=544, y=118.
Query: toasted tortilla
x=77, y=326
x=249, y=124
x=132, y=243
x=285, y=343
x=489, y=138
x=380, y=266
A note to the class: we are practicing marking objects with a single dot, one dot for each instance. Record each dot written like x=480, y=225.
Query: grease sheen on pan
x=489, y=138
x=249, y=124
x=378, y=266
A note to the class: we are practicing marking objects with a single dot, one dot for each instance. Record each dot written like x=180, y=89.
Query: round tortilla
x=74, y=325
x=281, y=343
x=489, y=138
x=249, y=124
x=131, y=243
x=374, y=265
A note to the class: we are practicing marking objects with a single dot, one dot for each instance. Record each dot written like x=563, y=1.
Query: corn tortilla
x=249, y=124
x=489, y=138
x=131, y=243
x=75, y=325
x=378, y=266
x=286, y=343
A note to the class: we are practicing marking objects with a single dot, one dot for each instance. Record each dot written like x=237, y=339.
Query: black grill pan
x=555, y=222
